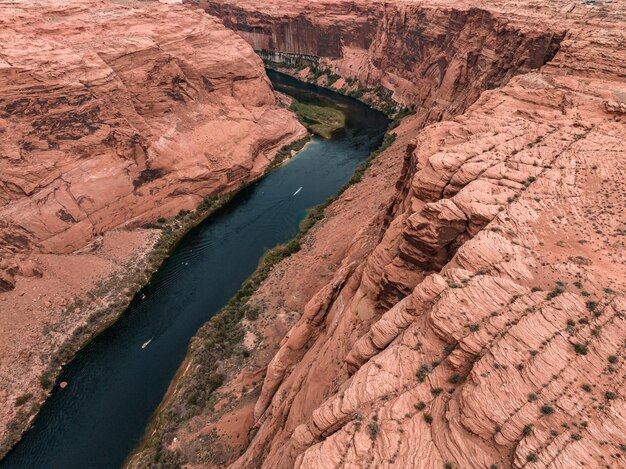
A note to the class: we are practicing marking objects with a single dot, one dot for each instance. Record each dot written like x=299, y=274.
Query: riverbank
x=222, y=349
x=183, y=294
x=93, y=150
x=320, y=120
x=98, y=308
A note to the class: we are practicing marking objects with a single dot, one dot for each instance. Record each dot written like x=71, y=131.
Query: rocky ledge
x=112, y=115
x=463, y=305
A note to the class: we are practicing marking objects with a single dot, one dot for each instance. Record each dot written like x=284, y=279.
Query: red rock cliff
x=466, y=310
x=111, y=116
x=108, y=114
x=435, y=59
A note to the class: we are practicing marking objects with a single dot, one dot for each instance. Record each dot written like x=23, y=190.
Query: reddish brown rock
x=94, y=124
x=111, y=116
x=476, y=317
x=436, y=57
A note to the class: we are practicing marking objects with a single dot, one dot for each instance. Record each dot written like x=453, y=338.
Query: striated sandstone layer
x=111, y=116
x=464, y=305
x=435, y=57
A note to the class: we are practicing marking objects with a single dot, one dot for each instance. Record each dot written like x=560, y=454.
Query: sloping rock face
x=109, y=112
x=476, y=316
x=111, y=116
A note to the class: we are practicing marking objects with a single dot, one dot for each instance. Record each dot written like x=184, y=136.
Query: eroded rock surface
x=111, y=116
x=475, y=316
x=109, y=112
x=436, y=57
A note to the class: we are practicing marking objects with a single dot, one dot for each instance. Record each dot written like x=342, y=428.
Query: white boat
x=296, y=192
x=145, y=344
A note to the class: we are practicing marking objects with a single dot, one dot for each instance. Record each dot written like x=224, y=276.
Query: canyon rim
x=460, y=304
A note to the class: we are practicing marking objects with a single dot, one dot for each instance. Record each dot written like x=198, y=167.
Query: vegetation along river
x=115, y=385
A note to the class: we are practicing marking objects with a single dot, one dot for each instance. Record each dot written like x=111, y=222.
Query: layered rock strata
x=472, y=315
x=434, y=57
x=111, y=116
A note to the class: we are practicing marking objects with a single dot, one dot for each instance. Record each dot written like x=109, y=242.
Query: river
x=114, y=385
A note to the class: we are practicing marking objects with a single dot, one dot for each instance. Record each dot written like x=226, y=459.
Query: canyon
x=117, y=121
x=462, y=303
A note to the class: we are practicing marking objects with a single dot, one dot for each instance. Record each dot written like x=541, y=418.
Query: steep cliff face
x=435, y=60
x=111, y=117
x=467, y=309
x=501, y=357
x=82, y=98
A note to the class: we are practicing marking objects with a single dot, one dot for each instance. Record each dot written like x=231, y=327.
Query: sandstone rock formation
x=467, y=309
x=436, y=58
x=111, y=116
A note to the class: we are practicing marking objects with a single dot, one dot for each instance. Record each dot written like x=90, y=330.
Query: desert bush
x=23, y=399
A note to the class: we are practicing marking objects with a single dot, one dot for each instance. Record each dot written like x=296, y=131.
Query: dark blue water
x=114, y=385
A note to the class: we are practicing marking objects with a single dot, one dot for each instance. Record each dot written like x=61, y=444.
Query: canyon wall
x=111, y=117
x=463, y=305
x=436, y=60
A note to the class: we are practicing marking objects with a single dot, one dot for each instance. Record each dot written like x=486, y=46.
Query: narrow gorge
x=114, y=128
x=460, y=303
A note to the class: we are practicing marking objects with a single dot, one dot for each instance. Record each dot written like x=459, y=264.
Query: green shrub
x=455, y=378
x=424, y=371
x=404, y=112
x=332, y=78
x=23, y=399
x=252, y=314
x=285, y=152
x=558, y=289
x=45, y=380
x=373, y=429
